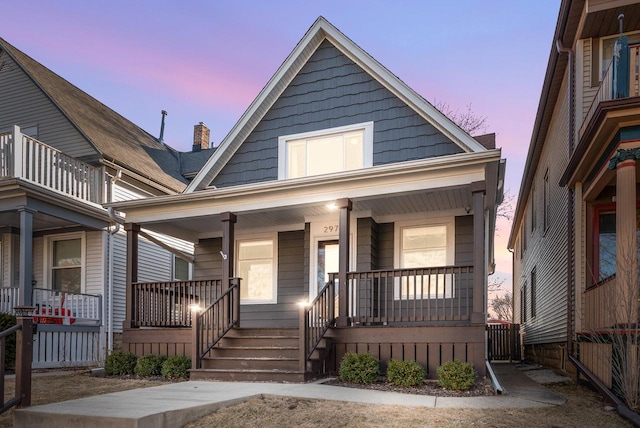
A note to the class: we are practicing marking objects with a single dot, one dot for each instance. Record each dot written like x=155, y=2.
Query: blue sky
x=207, y=60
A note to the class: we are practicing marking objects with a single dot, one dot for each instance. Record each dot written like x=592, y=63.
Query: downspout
x=570, y=196
x=115, y=228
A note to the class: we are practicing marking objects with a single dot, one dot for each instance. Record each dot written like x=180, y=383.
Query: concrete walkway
x=173, y=405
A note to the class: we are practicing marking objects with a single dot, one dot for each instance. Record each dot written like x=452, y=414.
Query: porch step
x=254, y=354
x=249, y=375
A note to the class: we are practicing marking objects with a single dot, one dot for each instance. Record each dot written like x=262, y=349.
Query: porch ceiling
x=602, y=17
x=442, y=200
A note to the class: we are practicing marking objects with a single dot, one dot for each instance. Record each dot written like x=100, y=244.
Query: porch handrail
x=169, y=303
x=29, y=159
x=66, y=307
x=604, y=93
x=23, y=362
x=411, y=295
x=315, y=319
x=210, y=325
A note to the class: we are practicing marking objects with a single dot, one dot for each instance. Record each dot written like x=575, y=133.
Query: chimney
x=200, y=137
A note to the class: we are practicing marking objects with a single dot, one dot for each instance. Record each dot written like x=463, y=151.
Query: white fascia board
x=442, y=172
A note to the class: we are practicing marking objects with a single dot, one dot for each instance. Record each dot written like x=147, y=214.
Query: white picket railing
x=29, y=159
x=63, y=307
x=8, y=299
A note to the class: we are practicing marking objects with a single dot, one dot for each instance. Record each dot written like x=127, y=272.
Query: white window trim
x=260, y=237
x=173, y=269
x=367, y=143
x=448, y=222
x=48, y=257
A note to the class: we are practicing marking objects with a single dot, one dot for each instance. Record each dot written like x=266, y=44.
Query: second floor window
x=327, y=151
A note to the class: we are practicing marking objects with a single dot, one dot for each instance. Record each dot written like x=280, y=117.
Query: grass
x=584, y=408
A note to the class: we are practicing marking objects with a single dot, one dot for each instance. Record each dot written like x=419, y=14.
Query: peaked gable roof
x=322, y=30
x=114, y=137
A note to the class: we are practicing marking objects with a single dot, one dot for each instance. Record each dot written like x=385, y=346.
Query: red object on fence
x=53, y=316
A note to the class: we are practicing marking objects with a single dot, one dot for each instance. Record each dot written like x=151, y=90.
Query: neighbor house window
x=545, y=202
x=607, y=49
x=181, y=269
x=66, y=263
x=256, y=267
x=606, y=244
x=523, y=303
x=533, y=208
x=533, y=293
x=323, y=152
x=425, y=246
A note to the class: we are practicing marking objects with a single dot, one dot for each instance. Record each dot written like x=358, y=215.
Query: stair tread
x=254, y=358
x=259, y=348
x=248, y=371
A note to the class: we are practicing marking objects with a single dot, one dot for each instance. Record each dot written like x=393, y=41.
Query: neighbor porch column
x=344, y=205
x=478, y=316
x=25, y=276
x=228, y=221
x=132, y=230
x=626, y=262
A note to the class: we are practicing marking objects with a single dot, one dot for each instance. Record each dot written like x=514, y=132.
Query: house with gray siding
x=342, y=213
x=576, y=222
x=62, y=155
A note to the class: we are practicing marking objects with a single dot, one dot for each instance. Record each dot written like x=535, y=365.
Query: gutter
x=494, y=379
x=621, y=408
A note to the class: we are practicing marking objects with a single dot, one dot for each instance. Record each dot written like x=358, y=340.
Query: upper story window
x=533, y=208
x=323, y=152
x=545, y=201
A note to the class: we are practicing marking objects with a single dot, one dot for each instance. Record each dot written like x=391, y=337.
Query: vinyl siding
x=546, y=250
x=588, y=91
x=385, y=246
x=464, y=240
x=119, y=242
x=22, y=103
x=331, y=91
x=95, y=263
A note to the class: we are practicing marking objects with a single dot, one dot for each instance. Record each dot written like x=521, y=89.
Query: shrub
x=150, y=365
x=359, y=368
x=176, y=367
x=8, y=321
x=120, y=363
x=456, y=375
x=405, y=373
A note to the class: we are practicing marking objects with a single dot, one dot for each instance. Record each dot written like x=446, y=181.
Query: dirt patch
x=583, y=408
x=430, y=387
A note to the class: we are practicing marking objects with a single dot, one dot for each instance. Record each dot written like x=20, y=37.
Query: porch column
x=25, y=276
x=478, y=316
x=626, y=263
x=228, y=220
x=344, y=205
x=132, y=230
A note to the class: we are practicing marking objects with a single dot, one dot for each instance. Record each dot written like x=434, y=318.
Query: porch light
x=195, y=308
x=332, y=206
x=303, y=304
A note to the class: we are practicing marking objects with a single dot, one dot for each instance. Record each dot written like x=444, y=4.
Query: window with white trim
x=66, y=262
x=425, y=246
x=326, y=151
x=256, y=266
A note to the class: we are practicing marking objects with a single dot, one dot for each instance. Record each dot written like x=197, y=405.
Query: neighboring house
x=339, y=173
x=574, y=231
x=62, y=155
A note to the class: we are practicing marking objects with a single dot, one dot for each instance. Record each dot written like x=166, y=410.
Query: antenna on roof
x=161, y=138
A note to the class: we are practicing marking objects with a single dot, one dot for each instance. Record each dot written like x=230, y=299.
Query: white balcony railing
x=29, y=159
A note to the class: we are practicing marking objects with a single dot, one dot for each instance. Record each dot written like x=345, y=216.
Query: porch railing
x=599, y=305
x=8, y=299
x=64, y=307
x=215, y=321
x=170, y=304
x=29, y=159
x=315, y=320
x=411, y=295
x=606, y=90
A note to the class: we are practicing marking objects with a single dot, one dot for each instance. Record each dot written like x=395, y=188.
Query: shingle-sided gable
x=331, y=91
x=322, y=32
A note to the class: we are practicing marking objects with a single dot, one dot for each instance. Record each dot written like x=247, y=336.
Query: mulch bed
x=481, y=388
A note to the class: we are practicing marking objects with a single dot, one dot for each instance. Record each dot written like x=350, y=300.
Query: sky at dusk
x=207, y=60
